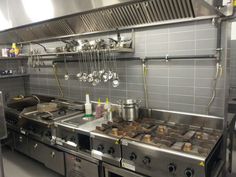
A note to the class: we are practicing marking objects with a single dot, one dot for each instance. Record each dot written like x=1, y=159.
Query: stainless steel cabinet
x=37, y=150
x=77, y=167
x=112, y=171
x=21, y=143
x=50, y=157
x=54, y=160
x=234, y=153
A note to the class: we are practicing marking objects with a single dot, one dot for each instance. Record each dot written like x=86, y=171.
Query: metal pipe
x=76, y=60
x=144, y=67
x=185, y=57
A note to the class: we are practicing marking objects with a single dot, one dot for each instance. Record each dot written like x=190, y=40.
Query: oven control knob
x=100, y=147
x=146, y=160
x=133, y=156
x=72, y=138
x=189, y=172
x=48, y=134
x=111, y=150
x=172, y=168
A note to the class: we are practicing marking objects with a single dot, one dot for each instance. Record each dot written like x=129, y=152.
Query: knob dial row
x=100, y=147
x=111, y=151
x=146, y=160
x=172, y=168
x=189, y=172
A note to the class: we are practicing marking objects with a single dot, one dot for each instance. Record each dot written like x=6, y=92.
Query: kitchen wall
x=184, y=85
x=12, y=86
x=233, y=68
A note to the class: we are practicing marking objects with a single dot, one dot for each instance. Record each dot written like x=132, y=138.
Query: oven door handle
x=218, y=168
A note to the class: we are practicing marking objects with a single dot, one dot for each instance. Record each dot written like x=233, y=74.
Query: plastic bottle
x=16, y=49
x=99, y=109
x=88, y=107
x=107, y=110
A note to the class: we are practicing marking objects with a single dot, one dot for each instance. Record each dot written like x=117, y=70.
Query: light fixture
x=38, y=10
x=4, y=23
x=233, y=31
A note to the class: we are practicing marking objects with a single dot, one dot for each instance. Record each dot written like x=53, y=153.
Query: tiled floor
x=18, y=165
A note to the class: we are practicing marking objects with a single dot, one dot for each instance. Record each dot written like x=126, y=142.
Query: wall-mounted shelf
x=14, y=58
x=14, y=76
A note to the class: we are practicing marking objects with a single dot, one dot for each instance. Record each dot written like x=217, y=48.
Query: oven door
x=112, y=171
x=78, y=167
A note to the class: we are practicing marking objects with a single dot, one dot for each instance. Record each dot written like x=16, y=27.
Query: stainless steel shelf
x=14, y=76
x=14, y=58
x=117, y=50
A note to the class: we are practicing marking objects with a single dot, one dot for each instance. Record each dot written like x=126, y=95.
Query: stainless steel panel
x=21, y=143
x=106, y=149
x=37, y=150
x=19, y=12
x=158, y=162
x=211, y=122
x=120, y=15
x=78, y=167
x=54, y=160
x=3, y=130
x=234, y=153
x=1, y=163
x=111, y=171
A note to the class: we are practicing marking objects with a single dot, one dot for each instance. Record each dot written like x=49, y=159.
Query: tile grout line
x=194, y=85
x=168, y=71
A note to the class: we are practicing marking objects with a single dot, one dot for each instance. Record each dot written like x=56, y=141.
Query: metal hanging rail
x=76, y=60
x=183, y=57
x=160, y=58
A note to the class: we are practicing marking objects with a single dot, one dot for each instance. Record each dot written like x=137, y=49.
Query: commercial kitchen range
x=159, y=143
x=125, y=88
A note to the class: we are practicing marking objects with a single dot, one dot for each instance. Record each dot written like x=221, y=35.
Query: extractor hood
x=126, y=14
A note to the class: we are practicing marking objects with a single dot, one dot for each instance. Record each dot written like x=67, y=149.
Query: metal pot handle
x=120, y=102
x=138, y=102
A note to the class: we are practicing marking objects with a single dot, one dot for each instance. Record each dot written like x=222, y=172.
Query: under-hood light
x=38, y=10
x=4, y=23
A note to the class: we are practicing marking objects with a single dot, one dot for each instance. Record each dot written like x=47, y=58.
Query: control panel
x=156, y=163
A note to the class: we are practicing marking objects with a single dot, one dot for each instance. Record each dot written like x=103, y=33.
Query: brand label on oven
x=23, y=131
x=97, y=154
x=125, y=143
x=128, y=165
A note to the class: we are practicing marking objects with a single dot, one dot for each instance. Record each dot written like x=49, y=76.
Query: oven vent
x=135, y=13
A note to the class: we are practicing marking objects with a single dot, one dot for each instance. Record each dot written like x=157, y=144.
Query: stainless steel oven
x=79, y=167
x=112, y=171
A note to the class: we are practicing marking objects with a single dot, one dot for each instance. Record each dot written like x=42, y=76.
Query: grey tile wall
x=175, y=85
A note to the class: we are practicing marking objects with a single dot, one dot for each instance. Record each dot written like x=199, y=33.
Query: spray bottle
x=88, y=107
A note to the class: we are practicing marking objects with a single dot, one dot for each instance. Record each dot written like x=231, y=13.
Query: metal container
x=129, y=109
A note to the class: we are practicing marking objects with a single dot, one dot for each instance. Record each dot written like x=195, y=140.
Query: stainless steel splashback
x=198, y=120
x=99, y=15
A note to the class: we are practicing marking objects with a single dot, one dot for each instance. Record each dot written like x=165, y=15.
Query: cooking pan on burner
x=47, y=107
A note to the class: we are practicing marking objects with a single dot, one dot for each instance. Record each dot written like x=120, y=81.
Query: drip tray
x=78, y=120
